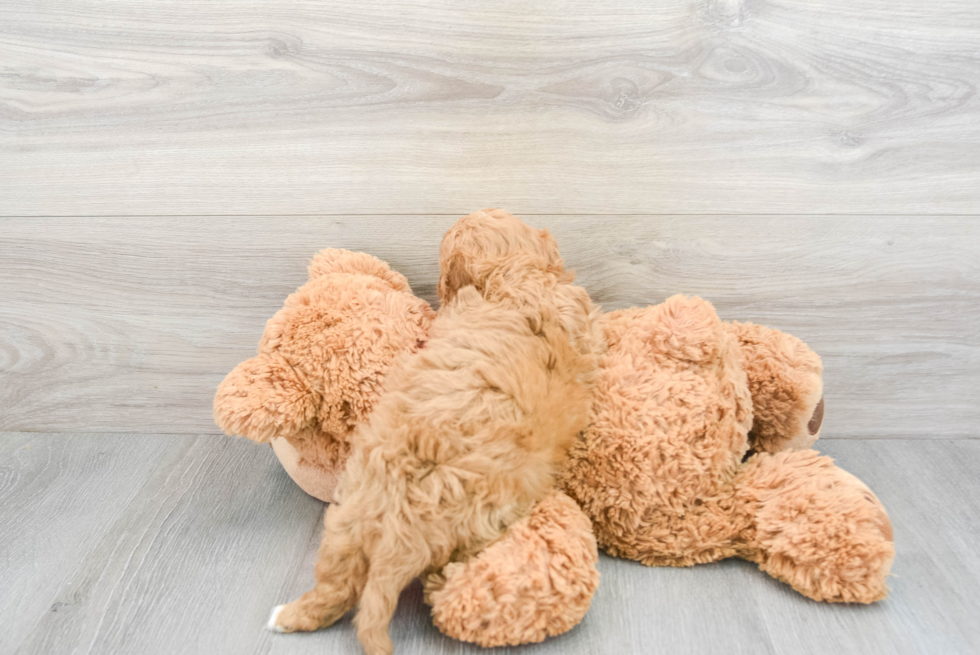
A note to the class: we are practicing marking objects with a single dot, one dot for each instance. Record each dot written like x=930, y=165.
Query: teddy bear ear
x=264, y=398
x=686, y=328
x=338, y=260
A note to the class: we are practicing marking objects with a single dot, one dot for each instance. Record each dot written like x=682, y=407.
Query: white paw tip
x=271, y=625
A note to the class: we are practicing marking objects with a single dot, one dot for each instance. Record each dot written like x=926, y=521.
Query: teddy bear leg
x=536, y=581
x=786, y=383
x=817, y=527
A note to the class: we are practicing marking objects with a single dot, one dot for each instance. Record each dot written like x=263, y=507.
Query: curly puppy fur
x=470, y=431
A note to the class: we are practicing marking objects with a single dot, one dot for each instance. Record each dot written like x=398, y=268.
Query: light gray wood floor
x=161, y=544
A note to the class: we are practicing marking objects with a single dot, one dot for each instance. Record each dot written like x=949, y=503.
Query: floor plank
x=124, y=544
x=715, y=106
x=156, y=544
x=128, y=324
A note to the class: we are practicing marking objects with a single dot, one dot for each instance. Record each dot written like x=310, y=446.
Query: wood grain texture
x=127, y=543
x=151, y=544
x=381, y=106
x=128, y=324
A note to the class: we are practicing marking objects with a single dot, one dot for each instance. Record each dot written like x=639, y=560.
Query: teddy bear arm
x=535, y=582
x=815, y=526
x=786, y=384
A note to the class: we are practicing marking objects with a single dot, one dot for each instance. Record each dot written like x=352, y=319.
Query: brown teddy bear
x=664, y=472
x=692, y=456
x=321, y=363
x=698, y=450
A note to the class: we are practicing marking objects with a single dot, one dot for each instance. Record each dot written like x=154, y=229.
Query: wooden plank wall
x=554, y=106
x=166, y=169
x=129, y=323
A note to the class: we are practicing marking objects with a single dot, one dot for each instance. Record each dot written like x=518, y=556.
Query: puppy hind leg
x=341, y=572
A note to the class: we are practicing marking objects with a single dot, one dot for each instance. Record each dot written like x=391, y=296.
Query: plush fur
x=535, y=582
x=470, y=431
x=680, y=399
x=691, y=454
x=321, y=364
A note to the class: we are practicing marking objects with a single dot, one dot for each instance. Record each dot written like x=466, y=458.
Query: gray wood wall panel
x=129, y=323
x=160, y=545
x=710, y=106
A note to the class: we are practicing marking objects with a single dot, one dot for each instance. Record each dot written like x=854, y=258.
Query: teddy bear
x=321, y=364
x=697, y=450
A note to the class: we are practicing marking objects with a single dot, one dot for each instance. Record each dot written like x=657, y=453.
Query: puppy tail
x=395, y=562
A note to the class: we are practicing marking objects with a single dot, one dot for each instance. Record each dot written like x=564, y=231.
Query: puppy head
x=480, y=244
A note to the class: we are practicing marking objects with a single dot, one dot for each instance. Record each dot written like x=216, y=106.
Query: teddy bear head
x=682, y=399
x=322, y=358
x=686, y=354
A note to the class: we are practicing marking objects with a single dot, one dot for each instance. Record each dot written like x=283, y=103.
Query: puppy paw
x=294, y=617
x=271, y=623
